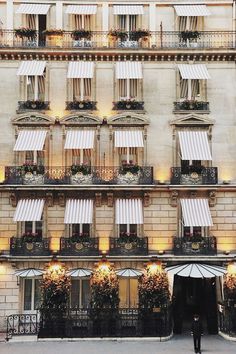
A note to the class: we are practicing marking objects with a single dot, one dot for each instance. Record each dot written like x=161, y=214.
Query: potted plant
x=53, y=32
x=189, y=35
x=127, y=104
x=33, y=168
x=80, y=34
x=29, y=237
x=83, y=169
x=24, y=32
x=129, y=167
x=79, y=237
x=118, y=34
x=136, y=35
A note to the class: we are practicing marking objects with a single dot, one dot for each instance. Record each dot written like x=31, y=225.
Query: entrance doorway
x=194, y=295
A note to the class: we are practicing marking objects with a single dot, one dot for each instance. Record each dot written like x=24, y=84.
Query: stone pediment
x=128, y=119
x=83, y=119
x=192, y=119
x=33, y=118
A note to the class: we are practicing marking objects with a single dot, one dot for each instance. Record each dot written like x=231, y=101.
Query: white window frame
x=32, y=310
x=80, y=290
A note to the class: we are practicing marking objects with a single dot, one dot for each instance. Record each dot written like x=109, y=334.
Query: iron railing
x=138, y=246
x=101, y=40
x=190, y=105
x=61, y=175
x=195, y=245
x=20, y=247
x=227, y=317
x=128, y=105
x=22, y=324
x=81, y=105
x=205, y=175
x=33, y=105
x=89, y=247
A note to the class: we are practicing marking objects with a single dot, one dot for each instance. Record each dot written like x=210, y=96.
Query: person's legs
x=195, y=344
x=199, y=345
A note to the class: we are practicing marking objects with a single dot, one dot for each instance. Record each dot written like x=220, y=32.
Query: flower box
x=138, y=34
x=24, y=32
x=118, y=34
x=80, y=34
x=189, y=35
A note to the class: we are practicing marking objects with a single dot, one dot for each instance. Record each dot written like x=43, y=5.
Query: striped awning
x=196, y=270
x=128, y=138
x=192, y=10
x=129, y=70
x=29, y=210
x=194, y=145
x=196, y=212
x=80, y=70
x=30, y=140
x=79, y=139
x=29, y=273
x=128, y=273
x=79, y=211
x=129, y=211
x=128, y=9
x=31, y=68
x=194, y=71
x=81, y=9
x=33, y=9
x=79, y=273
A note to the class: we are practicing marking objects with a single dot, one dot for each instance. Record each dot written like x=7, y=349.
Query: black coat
x=197, y=328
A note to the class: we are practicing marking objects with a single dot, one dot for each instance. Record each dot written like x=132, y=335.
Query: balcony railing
x=81, y=105
x=33, y=105
x=129, y=246
x=60, y=175
x=191, y=105
x=22, y=324
x=101, y=40
x=195, y=245
x=204, y=175
x=21, y=247
x=83, y=247
x=128, y=105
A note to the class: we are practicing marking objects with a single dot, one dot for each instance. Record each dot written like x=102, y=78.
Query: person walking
x=197, y=332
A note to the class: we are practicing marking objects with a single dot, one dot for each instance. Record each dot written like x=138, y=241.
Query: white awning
x=192, y=10
x=29, y=273
x=129, y=211
x=128, y=273
x=128, y=9
x=79, y=211
x=195, y=270
x=29, y=210
x=80, y=70
x=129, y=70
x=79, y=139
x=196, y=212
x=31, y=68
x=129, y=138
x=81, y=9
x=194, y=71
x=33, y=9
x=194, y=145
x=30, y=140
x=79, y=273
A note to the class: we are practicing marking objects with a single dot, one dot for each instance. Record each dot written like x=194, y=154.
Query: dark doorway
x=42, y=27
x=192, y=295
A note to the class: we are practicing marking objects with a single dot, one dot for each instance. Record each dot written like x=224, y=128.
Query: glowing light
x=231, y=269
x=55, y=244
x=154, y=267
x=104, y=266
x=104, y=244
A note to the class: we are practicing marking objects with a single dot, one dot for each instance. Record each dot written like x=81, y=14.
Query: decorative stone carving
x=193, y=194
x=98, y=199
x=30, y=178
x=49, y=197
x=128, y=119
x=81, y=119
x=110, y=199
x=61, y=199
x=174, y=198
x=33, y=118
x=13, y=200
x=146, y=200
x=128, y=178
x=80, y=178
x=212, y=198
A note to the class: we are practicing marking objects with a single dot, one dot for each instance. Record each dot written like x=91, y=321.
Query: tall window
x=80, y=229
x=128, y=22
x=128, y=88
x=132, y=155
x=190, y=23
x=80, y=293
x=128, y=292
x=189, y=90
x=128, y=228
x=35, y=156
x=35, y=227
x=82, y=22
x=82, y=89
x=35, y=88
x=31, y=294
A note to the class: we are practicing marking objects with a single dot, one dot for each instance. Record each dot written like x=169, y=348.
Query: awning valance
x=129, y=70
x=80, y=70
x=79, y=273
x=128, y=10
x=128, y=273
x=129, y=211
x=29, y=210
x=79, y=139
x=196, y=270
x=30, y=140
x=79, y=211
x=33, y=9
x=128, y=138
x=192, y=10
x=194, y=145
x=194, y=71
x=81, y=9
x=31, y=68
x=196, y=212
x=29, y=273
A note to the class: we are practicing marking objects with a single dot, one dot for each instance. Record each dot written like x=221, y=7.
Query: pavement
x=178, y=344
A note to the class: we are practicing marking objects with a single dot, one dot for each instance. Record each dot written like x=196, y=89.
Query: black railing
x=69, y=247
x=204, y=175
x=33, y=105
x=20, y=247
x=137, y=246
x=191, y=105
x=227, y=317
x=128, y=105
x=22, y=324
x=195, y=245
x=102, y=40
x=60, y=175
x=81, y=105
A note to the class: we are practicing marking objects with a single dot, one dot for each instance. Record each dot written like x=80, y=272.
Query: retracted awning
x=81, y=9
x=128, y=138
x=31, y=68
x=80, y=70
x=79, y=139
x=196, y=212
x=196, y=270
x=194, y=71
x=33, y=9
x=29, y=273
x=129, y=70
x=128, y=9
x=194, y=145
x=192, y=10
x=30, y=140
x=79, y=273
x=129, y=211
x=29, y=210
x=79, y=211
x=128, y=273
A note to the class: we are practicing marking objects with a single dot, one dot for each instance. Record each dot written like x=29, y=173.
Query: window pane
x=133, y=295
x=85, y=293
x=75, y=293
x=39, y=228
x=37, y=294
x=27, y=294
x=123, y=292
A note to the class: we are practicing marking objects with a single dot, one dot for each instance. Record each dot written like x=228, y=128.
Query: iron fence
x=138, y=246
x=20, y=247
x=22, y=324
x=87, y=247
x=205, y=175
x=227, y=317
x=195, y=246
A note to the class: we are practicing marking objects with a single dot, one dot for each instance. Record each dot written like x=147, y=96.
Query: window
x=190, y=23
x=82, y=89
x=128, y=292
x=34, y=227
x=80, y=293
x=128, y=89
x=81, y=156
x=80, y=229
x=31, y=294
x=82, y=22
x=189, y=89
x=128, y=228
x=128, y=22
x=35, y=88
x=128, y=155
x=35, y=157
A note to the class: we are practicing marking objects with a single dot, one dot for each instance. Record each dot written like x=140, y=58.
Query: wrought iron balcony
x=195, y=245
x=203, y=175
x=129, y=245
x=131, y=105
x=88, y=246
x=191, y=105
x=20, y=246
x=81, y=105
x=33, y=105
